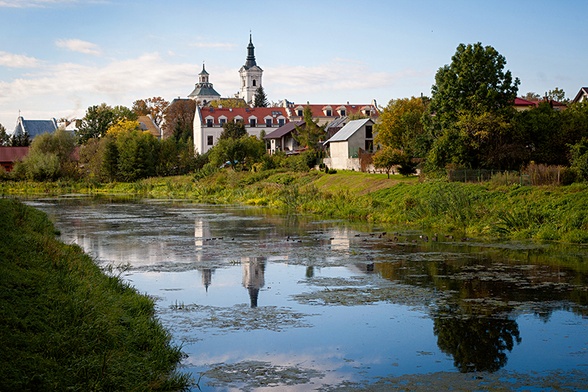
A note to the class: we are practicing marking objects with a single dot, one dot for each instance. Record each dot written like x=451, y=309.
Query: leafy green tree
x=310, y=134
x=99, y=118
x=233, y=130
x=137, y=155
x=400, y=126
x=229, y=103
x=557, y=94
x=579, y=159
x=50, y=157
x=245, y=151
x=387, y=157
x=260, y=99
x=473, y=85
x=4, y=137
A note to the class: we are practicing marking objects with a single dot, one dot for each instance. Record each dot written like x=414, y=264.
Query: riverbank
x=66, y=325
x=552, y=213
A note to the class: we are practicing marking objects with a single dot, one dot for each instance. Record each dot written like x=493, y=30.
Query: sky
x=59, y=57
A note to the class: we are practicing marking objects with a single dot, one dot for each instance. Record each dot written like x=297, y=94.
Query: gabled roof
x=284, y=130
x=34, y=127
x=318, y=109
x=146, y=124
x=524, y=102
x=582, y=93
x=231, y=113
x=348, y=130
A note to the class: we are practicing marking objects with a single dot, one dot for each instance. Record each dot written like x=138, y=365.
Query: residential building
x=347, y=145
x=208, y=123
x=582, y=95
x=323, y=114
x=282, y=139
x=10, y=155
x=33, y=128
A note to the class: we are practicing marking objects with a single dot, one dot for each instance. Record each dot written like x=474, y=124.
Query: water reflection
x=461, y=304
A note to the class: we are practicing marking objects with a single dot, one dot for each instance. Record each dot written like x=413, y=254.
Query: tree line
x=470, y=122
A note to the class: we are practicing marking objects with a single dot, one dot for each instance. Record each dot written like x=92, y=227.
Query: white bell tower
x=250, y=75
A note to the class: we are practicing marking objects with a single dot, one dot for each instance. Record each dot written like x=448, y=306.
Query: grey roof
x=204, y=89
x=34, y=127
x=348, y=130
x=284, y=130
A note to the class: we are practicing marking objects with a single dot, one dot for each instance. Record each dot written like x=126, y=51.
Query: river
x=261, y=301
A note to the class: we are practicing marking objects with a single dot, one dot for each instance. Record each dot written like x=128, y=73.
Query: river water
x=261, y=301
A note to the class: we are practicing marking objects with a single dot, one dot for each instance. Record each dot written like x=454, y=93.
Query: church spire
x=250, y=54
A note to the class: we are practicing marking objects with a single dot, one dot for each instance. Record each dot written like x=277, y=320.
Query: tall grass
x=66, y=325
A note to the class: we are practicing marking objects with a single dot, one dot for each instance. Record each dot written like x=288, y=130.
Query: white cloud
x=33, y=3
x=77, y=45
x=17, y=60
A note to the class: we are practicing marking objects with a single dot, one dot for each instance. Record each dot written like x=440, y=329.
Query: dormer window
x=222, y=121
x=299, y=112
x=281, y=121
x=328, y=113
x=238, y=119
x=268, y=122
x=252, y=122
x=209, y=122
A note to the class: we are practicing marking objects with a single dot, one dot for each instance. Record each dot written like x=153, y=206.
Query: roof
x=284, y=130
x=34, y=127
x=13, y=154
x=582, y=93
x=318, y=109
x=146, y=124
x=204, y=90
x=524, y=102
x=348, y=130
x=231, y=113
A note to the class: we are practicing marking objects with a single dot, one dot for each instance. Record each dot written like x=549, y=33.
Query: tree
x=532, y=96
x=4, y=137
x=229, y=103
x=20, y=140
x=400, y=126
x=475, y=83
x=50, y=157
x=179, y=119
x=260, y=99
x=310, y=134
x=387, y=157
x=99, y=118
x=233, y=130
x=557, y=94
x=153, y=107
x=245, y=150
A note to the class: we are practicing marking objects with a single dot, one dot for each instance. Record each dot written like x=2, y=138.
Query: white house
x=346, y=145
x=208, y=123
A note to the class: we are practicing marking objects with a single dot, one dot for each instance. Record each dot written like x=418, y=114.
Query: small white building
x=347, y=144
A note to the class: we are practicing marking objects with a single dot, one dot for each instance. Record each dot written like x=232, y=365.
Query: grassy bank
x=558, y=213
x=65, y=325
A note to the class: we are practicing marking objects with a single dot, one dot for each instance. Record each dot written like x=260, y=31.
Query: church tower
x=250, y=75
x=203, y=92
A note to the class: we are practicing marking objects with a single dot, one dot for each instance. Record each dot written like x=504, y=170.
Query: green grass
x=65, y=325
x=554, y=213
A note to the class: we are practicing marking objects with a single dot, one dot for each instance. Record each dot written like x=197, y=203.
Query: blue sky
x=58, y=57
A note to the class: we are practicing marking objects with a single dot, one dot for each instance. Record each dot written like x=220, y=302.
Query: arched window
x=253, y=82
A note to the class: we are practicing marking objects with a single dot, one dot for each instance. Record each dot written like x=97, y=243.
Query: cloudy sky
x=58, y=57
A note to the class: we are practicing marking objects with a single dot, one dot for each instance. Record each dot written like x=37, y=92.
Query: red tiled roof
x=318, y=109
x=245, y=113
x=13, y=154
x=524, y=102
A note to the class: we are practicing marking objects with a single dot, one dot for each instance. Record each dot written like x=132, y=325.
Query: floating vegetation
x=235, y=318
x=249, y=375
x=573, y=380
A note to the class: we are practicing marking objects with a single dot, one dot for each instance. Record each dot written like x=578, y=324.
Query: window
x=367, y=112
x=328, y=113
x=369, y=145
x=238, y=119
x=268, y=122
x=252, y=122
x=343, y=113
x=222, y=121
x=253, y=82
x=299, y=112
x=368, y=132
x=281, y=122
x=209, y=140
x=209, y=122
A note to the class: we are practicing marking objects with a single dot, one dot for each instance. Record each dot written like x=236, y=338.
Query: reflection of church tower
x=206, y=277
x=250, y=75
x=203, y=90
x=253, y=277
